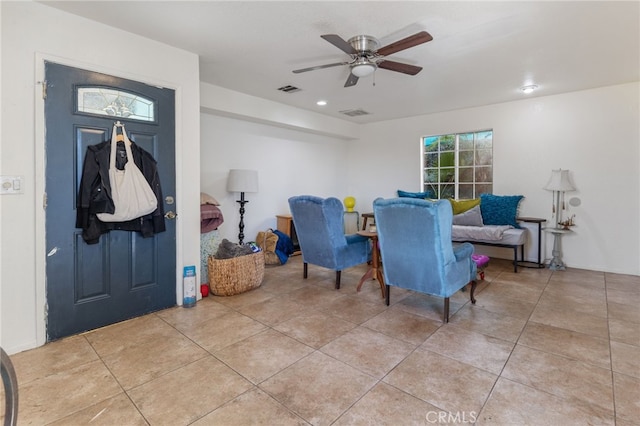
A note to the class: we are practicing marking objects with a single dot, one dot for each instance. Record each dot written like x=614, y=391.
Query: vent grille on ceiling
x=289, y=89
x=354, y=112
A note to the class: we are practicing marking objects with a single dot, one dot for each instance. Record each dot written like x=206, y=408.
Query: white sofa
x=493, y=235
x=490, y=220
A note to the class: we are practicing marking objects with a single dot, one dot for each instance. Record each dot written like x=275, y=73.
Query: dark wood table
x=538, y=221
x=375, y=271
x=365, y=217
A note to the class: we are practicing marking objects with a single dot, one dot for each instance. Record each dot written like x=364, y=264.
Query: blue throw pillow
x=500, y=209
x=422, y=195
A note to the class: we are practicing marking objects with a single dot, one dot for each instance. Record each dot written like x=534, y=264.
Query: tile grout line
x=613, y=379
x=515, y=344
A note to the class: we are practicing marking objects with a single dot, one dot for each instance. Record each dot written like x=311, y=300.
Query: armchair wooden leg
x=473, y=290
x=445, y=315
x=305, y=268
x=387, y=294
x=338, y=280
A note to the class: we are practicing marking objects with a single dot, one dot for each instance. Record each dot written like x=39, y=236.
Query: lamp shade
x=559, y=181
x=241, y=180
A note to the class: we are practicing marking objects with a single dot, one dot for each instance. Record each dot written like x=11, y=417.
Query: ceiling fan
x=367, y=55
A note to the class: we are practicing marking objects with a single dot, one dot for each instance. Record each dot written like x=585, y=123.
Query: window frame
x=481, y=164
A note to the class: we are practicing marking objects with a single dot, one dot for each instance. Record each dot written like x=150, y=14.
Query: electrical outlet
x=11, y=185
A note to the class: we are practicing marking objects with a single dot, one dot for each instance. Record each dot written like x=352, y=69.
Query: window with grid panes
x=458, y=165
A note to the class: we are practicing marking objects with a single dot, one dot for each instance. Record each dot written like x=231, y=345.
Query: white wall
x=228, y=103
x=295, y=152
x=593, y=133
x=289, y=162
x=32, y=32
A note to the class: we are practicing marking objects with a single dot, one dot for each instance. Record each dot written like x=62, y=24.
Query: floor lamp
x=242, y=181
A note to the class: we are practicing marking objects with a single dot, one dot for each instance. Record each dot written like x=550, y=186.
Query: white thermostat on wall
x=11, y=185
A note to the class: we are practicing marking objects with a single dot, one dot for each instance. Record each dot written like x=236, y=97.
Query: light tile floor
x=538, y=348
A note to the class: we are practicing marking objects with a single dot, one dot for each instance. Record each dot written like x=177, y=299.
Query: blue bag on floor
x=284, y=247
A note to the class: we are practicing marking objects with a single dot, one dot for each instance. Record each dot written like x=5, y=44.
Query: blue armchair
x=320, y=229
x=416, y=249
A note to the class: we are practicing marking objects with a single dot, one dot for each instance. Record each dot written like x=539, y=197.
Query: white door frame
x=40, y=170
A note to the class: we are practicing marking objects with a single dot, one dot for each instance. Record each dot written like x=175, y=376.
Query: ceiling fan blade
x=340, y=43
x=319, y=67
x=399, y=67
x=351, y=81
x=405, y=43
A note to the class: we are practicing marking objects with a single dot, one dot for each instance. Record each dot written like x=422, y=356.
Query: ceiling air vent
x=354, y=112
x=289, y=89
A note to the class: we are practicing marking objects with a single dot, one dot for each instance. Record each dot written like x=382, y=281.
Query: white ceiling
x=481, y=53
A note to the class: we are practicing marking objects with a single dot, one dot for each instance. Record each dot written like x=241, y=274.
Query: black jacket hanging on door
x=94, y=195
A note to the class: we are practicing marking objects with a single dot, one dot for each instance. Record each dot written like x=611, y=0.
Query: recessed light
x=529, y=89
x=321, y=103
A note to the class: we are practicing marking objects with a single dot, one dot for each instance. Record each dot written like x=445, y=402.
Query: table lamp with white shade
x=559, y=183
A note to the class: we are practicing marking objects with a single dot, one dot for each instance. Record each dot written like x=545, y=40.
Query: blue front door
x=124, y=275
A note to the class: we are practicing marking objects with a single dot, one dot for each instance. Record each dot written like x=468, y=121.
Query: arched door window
x=96, y=100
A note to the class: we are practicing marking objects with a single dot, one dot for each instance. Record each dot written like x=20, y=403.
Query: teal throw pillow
x=422, y=195
x=500, y=209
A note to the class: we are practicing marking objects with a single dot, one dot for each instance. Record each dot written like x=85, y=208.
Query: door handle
x=170, y=215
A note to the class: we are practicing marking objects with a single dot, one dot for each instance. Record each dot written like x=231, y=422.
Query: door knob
x=170, y=215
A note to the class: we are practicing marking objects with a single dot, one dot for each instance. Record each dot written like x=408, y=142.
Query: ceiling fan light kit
x=363, y=69
x=367, y=55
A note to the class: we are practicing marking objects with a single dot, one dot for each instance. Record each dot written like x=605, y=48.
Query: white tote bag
x=130, y=191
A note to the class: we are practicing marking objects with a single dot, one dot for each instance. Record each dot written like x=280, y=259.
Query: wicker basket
x=236, y=275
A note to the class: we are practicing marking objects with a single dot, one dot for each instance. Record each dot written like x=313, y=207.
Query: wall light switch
x=11, y=185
